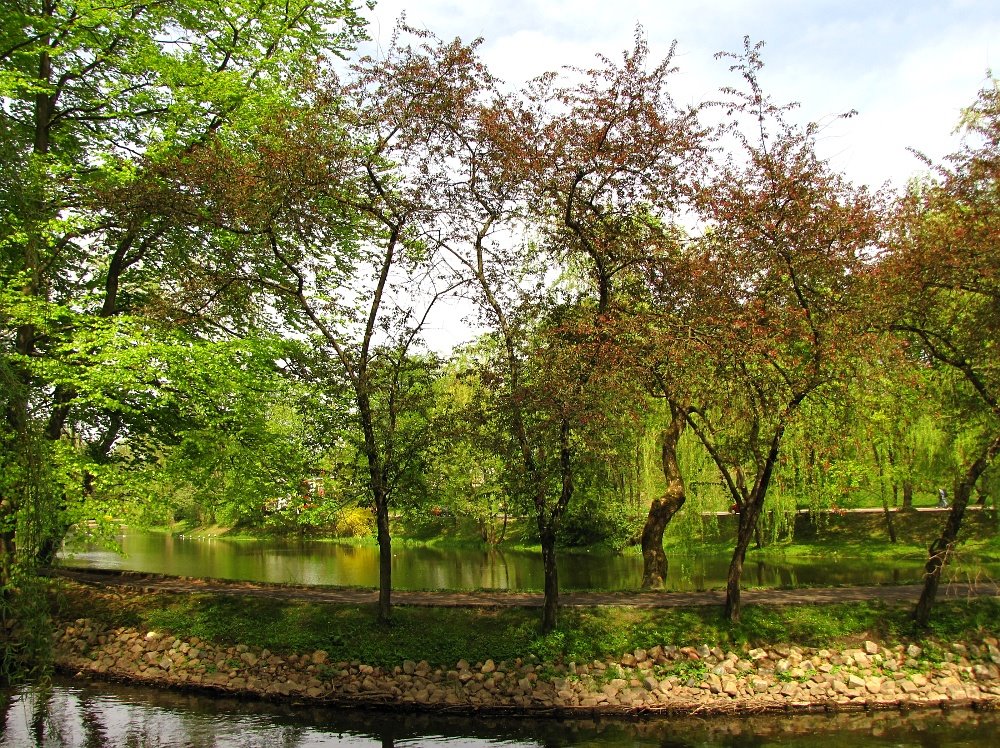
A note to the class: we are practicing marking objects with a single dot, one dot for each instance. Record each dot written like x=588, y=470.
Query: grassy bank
x=445, y=635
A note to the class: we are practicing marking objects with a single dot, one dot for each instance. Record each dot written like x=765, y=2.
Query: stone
x=488, y=667
x=319, y=657
x=871, y=647
x=409, y=667
x=956, y=693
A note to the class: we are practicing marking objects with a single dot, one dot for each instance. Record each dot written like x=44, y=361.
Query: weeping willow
x=26, y=493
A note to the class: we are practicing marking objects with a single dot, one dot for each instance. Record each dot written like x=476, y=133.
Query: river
x=421, y=568
x=79, y=714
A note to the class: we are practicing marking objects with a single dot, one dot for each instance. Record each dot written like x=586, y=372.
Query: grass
x=442, y=636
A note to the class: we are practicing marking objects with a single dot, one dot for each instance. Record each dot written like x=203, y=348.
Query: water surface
x=419, y=568
x=80, y=714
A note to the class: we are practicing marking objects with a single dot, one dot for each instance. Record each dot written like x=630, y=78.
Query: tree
x=578, y=174
x=942, y=274
x=326, y=210
x=786, y=241
x=94, y=94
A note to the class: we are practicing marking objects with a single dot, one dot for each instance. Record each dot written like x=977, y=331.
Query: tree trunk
x=907, y=494
x=748, y=516
x=890, y=527
x=550, y=609
x=889, y=524
x=662, y=510
x=8, y=549
x=384, y=558
x=941, y=548
x=380, y=497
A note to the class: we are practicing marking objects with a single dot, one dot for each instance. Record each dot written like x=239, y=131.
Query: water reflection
x=416, y=568
x=103, y=715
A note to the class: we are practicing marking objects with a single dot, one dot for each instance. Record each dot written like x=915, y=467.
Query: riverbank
x=670, y=675
x=854, y=532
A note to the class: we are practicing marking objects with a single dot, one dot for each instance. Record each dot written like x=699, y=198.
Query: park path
x=460, y=599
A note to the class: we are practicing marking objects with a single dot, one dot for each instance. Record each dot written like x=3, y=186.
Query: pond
x=419, y=567
x=78, y=714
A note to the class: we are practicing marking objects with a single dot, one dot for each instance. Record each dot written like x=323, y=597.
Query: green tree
x=94, y=94
x=942, y=273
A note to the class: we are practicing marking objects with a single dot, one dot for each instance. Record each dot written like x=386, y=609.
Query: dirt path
x=351, y=596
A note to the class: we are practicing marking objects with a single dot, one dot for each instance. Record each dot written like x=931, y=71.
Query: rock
x=489, y=667
x=871, y=647
x=409, y=667
x=319, y=657
x=956, y=693
x=914, y=651
x=789, y=689
x=874, y=685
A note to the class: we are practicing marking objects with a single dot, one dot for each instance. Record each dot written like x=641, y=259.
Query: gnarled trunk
x=663, y=509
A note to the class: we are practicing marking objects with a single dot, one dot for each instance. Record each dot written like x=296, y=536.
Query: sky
x=907, y=66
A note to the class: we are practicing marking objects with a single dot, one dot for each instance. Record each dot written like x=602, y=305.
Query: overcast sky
x=906, y=66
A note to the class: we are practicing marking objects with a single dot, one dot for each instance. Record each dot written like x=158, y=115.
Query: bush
x=354, y=522
x=599, y=520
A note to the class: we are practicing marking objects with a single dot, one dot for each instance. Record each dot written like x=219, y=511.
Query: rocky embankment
x=661, y=679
